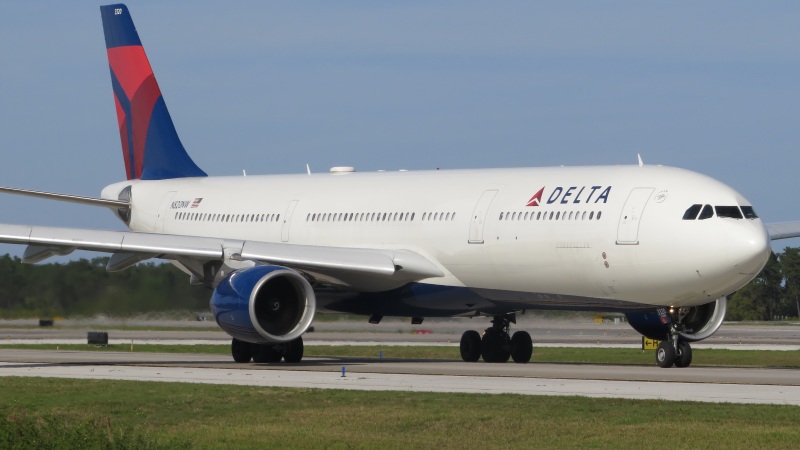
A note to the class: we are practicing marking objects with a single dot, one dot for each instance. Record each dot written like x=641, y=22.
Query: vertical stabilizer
x=150, y=145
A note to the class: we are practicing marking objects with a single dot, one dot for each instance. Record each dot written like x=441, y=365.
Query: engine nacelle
x=264, y=304
x=699, y=322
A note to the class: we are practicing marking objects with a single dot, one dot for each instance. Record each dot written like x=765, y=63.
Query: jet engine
x=693, y=323
x=264, y=304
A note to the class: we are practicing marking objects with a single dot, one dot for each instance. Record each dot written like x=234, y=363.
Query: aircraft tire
x=241, y=351
x=470, y=346
x=294, y=351
x=684, y=358
x=495, y=347
x=521, y=347
x=265, y=353
x=665, y=355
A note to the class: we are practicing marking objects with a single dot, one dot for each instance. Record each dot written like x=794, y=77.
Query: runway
x=733, y=385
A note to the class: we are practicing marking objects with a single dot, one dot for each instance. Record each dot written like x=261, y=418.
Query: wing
x=357, y=268
x=783, y=230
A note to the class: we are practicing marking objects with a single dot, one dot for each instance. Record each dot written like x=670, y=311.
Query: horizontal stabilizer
x=67, y=198
x=783, y=230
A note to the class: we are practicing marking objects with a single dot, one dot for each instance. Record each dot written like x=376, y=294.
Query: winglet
x=150, y=145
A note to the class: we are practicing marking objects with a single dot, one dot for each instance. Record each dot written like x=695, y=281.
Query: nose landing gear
x=671, y=354
x=496, y=345
x=675, y=351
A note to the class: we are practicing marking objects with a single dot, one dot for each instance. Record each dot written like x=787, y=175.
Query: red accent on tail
x=123, y=134
x=131, y=67
x=142, y=109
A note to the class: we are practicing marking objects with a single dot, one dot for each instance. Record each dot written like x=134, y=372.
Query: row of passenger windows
x=552, y=215
x=379, y=217
x=702, y=212
x=210, y=217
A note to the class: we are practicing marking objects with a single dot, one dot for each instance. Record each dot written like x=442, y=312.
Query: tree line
x=773, y=294
x=84, y=288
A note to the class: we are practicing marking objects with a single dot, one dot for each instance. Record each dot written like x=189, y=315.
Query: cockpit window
x=731, y=212
x=706, y=213
x=691, y=213
x=749, y=213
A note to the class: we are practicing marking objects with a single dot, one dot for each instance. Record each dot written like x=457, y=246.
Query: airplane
x=662, y=245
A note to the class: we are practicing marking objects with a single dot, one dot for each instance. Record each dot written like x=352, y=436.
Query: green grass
x=49, y=431
x=702, y=357
x=254, y=417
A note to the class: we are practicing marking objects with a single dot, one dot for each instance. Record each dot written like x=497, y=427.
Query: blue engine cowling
x=264, y=304
x=699, y=323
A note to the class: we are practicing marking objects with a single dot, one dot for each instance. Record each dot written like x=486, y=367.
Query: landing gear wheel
x=470, y=346
x=266, y=353
x=521, y=347
x=684, y=358
x=495, y=346
x=665, y=354
x=241, y=351
x=294, y=351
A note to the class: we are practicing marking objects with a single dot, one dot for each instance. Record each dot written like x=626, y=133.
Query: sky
x=268, y=87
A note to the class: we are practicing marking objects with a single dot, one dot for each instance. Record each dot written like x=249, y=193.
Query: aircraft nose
x=749, y=245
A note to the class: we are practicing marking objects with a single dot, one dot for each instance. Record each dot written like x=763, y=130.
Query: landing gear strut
x=496, y=345
x=243, y=352
x=675, y=351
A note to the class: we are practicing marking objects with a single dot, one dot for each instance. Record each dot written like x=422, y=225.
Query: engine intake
x=264, y=304
x=698, y=323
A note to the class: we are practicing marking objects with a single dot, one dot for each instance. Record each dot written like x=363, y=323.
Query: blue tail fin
x=150, y=145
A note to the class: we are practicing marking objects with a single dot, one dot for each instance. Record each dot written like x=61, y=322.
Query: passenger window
x=706, y=213
x=749, y=212
x=731, y=212
x=691, y=213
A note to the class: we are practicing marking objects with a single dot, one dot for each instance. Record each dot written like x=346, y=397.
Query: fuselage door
x=628, y=229
x=287, y=221
x=163, y=209
x=479, y=217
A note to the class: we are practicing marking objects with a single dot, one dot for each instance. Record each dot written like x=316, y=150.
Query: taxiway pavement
x=718, y=384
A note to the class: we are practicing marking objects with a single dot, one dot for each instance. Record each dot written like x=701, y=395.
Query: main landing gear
x=496, y=345
x=290, y=352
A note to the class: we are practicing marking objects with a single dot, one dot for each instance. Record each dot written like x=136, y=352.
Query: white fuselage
x=599, y=235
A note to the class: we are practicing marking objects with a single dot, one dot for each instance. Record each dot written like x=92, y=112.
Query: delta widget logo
x=572, y=194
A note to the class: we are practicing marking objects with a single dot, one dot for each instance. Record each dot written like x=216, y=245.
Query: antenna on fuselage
x=640, y=160
x=308, y=169
x=244, y=173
